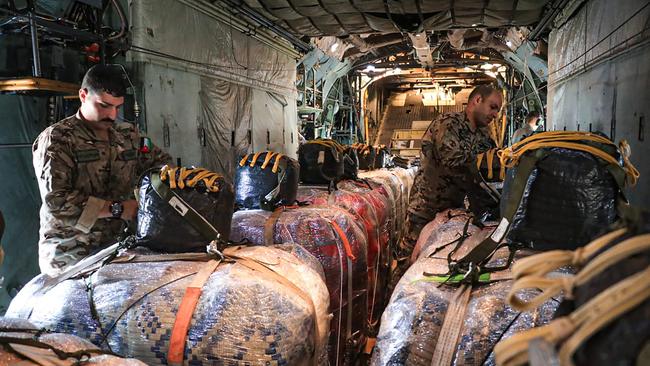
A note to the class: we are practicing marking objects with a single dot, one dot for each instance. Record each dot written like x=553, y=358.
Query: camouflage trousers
x=413, y=226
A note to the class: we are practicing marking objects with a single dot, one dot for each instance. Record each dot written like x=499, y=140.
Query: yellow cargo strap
x=329, y=143
x=183, y=180
x=552, y=286
x=269, y=156
x=573, y=330
x=510, y=156
x=362, y=148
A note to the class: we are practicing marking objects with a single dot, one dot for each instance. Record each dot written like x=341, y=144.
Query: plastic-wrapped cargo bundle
x=606, y=320
x=321, y=161
x=412, y=330
x=163, y=208
x=444, y=228
x=362, y=207
x=350, y=163
x=266, y=180
x=396, y=185
x=335, y=238
x=381, y=200
x=560, y=197
x=23, y=343
x=407, y=181
x=244, y=315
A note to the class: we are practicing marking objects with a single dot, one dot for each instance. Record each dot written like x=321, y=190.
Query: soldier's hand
x=130, y=209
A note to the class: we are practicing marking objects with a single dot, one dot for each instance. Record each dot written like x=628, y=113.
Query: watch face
x=116, y=209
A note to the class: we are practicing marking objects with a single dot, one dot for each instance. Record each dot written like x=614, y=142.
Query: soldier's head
x=101, y=94
x=532, y=118
x=483, y=105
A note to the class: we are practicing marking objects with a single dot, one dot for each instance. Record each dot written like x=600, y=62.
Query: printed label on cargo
x=500, y=231
x=321, y=157
x=178, y=206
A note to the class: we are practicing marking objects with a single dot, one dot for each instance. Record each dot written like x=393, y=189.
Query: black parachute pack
x=266, y=180
x=367, y=155
x=350, y=163
x=183, y=209
x=372, y=157
x=321, y=161
x=563, y=197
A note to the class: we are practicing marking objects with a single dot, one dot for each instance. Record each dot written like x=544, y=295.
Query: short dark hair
x=483, y=90
x=531, y=115
x=105, y=78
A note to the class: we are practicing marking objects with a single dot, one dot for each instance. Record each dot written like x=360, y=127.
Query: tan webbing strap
x=269, y=226
x=580, y=325
x=451, y=327
x=543, y=263
x=185, y=312
x=195, y=257
x=553, y=286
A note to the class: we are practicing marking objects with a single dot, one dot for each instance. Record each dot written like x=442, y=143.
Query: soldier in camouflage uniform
x=86, y=166
x=448, y=170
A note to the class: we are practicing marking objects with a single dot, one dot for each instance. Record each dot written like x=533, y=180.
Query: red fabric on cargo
x=312, y=228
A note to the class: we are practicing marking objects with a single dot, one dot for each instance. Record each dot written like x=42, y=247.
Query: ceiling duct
x=422, y=49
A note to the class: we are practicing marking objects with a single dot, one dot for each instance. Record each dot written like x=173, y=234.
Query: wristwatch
x=116, y=209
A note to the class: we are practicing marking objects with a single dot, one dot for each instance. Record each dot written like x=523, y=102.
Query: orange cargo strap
x=269, y=226
x=344, y=239
x=185, y=312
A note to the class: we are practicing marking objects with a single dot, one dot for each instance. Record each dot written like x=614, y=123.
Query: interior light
x=486, y=66
x=508, y=43
x=474, y=25
x=397, y=69
x=334, y=47
x=369, y=68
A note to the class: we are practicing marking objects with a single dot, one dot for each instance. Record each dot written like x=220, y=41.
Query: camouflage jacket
x=448, y=170
x=77, y=173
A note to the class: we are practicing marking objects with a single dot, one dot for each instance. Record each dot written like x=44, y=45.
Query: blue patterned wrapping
x=243, y=317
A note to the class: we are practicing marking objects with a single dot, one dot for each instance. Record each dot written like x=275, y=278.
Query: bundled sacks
x=444, y=228
x=568, y=196
x=399, y=183
x=605, y=317
x=321, y=161
x=266, y=180
x=368, y=208
x=164, y=223
x=243, y=315
x=23, y=343
x=412, y=324
x=335, y=238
